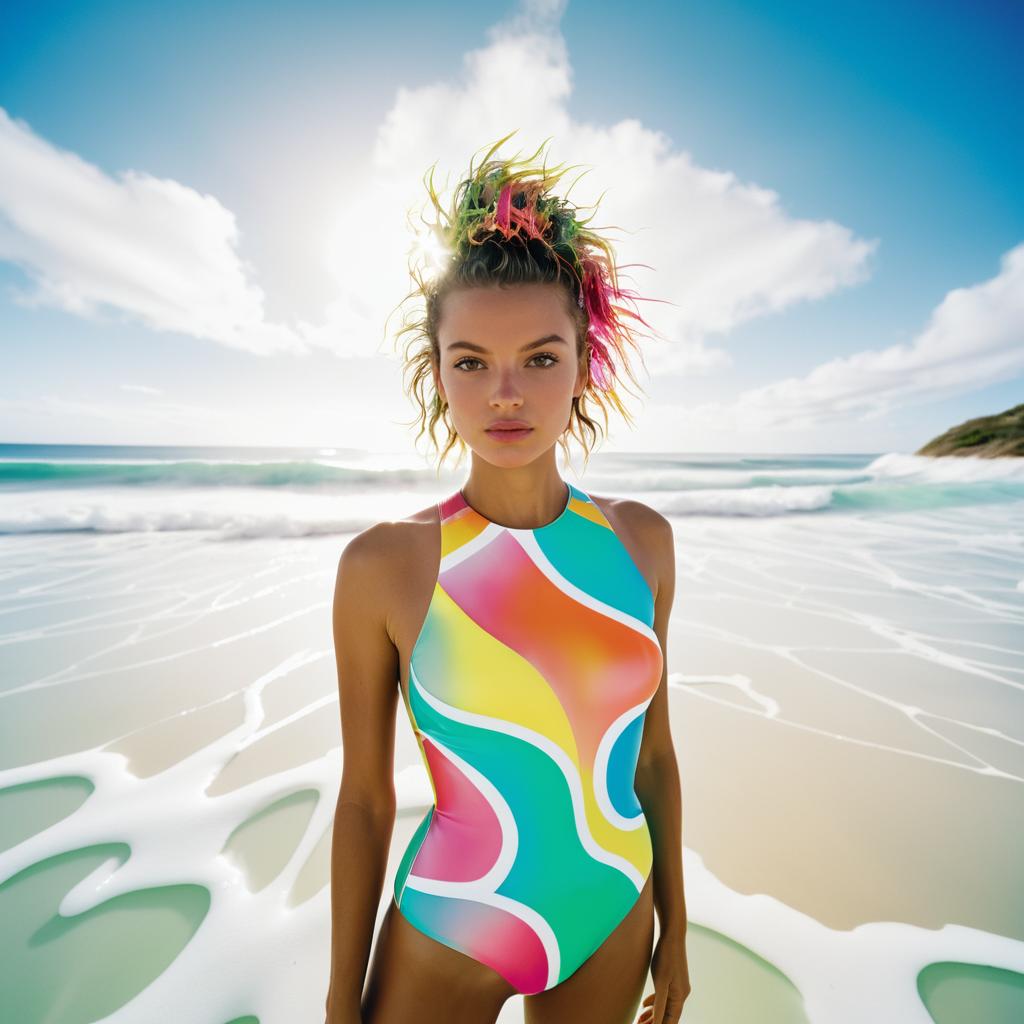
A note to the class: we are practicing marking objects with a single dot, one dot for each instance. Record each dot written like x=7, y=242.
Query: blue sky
x=828, y=193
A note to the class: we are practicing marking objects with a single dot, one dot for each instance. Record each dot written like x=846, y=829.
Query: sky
x=204, y=210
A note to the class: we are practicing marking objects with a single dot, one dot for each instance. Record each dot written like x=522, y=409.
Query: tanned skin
x=385, y=580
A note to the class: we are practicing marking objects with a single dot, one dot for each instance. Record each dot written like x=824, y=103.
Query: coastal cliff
x=988, y=436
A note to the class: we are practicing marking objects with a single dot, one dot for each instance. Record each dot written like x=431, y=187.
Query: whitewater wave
x=953, y=469
x=308, y=497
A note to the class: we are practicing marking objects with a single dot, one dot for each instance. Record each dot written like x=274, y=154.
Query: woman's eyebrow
x=548, y=339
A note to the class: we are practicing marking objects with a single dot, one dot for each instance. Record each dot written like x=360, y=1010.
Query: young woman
x=523, y=621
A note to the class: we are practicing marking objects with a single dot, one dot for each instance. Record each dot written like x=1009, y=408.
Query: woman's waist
x=463, y=847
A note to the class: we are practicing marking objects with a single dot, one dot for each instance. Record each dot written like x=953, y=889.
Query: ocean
x=304, y=492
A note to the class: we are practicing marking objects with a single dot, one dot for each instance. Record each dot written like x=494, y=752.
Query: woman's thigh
x=607, y=987
x=414, y=979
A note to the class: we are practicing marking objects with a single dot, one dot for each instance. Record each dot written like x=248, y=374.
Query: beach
x=846, y=684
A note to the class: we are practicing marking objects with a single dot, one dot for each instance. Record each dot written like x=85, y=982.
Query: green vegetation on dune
x=989, y=436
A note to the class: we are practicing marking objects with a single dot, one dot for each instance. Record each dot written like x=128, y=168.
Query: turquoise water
x=955, y=993
x=289, y=492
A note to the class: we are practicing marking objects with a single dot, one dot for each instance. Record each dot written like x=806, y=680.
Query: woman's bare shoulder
x=647, y=534
x=389, y=545
x=635, y=515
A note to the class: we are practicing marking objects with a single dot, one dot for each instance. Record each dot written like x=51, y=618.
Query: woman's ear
x=582, y=373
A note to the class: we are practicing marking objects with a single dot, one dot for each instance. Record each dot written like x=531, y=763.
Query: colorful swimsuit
x=528, y=687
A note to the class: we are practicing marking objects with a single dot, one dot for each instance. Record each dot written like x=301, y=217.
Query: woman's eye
x=540, y=355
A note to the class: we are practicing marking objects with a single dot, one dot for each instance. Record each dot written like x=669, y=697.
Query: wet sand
x=847, y=700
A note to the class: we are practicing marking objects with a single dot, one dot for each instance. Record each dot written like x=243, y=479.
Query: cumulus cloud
x=722, y=250
x=973, y=338
x=151, y=248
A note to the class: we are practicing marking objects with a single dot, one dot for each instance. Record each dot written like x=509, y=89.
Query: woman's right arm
x=364, y=817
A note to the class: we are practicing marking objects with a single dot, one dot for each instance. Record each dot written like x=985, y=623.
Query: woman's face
x=508, y=353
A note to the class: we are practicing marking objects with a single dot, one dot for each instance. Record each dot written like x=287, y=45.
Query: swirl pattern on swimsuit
x=528, y=687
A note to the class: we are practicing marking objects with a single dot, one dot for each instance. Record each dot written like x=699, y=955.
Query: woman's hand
x=671, y=978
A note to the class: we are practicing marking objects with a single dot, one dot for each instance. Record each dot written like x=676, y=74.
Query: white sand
x=847, y=700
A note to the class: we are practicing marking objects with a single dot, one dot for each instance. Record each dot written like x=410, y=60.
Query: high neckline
x=525, y=529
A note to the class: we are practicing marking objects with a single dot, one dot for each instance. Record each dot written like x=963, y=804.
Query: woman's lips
x=512, y=434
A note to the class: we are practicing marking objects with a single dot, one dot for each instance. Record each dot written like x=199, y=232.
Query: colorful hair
x=504, y=226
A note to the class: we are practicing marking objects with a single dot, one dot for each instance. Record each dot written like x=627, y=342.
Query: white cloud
x=142, y=389
x=148, y=247
x=973, y=338
x=723, y=251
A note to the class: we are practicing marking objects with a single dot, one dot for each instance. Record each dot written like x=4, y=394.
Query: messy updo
x=505, y=228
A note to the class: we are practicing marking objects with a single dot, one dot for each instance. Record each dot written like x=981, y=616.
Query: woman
x=524, y=621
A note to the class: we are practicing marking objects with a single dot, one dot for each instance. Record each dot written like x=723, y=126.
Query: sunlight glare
x=430, y=252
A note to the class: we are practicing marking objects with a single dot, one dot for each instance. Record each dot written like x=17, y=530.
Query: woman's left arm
x=658, y=789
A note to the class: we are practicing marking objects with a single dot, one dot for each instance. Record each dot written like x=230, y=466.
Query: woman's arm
x=657, y=773
x=364, y=817
x=657, y=788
